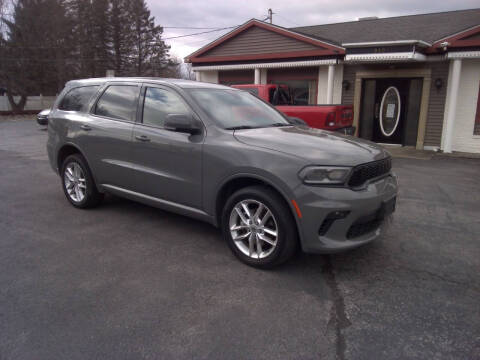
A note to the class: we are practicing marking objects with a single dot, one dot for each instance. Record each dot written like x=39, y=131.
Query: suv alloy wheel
x=78, y=184
x=259, y=227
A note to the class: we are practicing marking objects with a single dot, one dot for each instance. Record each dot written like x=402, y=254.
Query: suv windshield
x=233, y=109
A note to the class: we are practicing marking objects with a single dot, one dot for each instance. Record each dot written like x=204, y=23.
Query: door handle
x=85, y=127
x=143, y=138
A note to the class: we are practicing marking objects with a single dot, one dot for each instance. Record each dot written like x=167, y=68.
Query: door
x=412, y=112
x=168, y=163
x=390, y=103
x=108, y=134
x=390, y=110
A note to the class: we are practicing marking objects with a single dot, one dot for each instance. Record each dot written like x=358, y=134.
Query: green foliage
x=33, y=59
x=120, y=35
x=48, y=42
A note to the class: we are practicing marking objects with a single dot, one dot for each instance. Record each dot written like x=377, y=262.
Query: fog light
x=330, y=219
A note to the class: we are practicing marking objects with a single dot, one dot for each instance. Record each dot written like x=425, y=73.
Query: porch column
x=331, y=73
x=263, y=76
x=452, y=94
x=198, y=76
x=257, y=76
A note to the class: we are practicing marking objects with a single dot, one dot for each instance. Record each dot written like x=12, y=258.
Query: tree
x=57, y=34
x=124, y=37
x=48, y=42
x=35, y=35
x=101, y=36
x=173, y=69
x=188, y=72
x=3, y=13
x=179, y=70
x=3, y=54
x=120, y=35
x=149, y=53
x=91, y=30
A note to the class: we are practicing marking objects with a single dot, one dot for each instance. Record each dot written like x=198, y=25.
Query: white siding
x=33, y=102
x=323, y=81
x=207, y=76
x=463, y=138
x=322, y=85
x=337, y=84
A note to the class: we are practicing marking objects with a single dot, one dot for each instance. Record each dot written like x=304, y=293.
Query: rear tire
x=78, y=184
x=259, y=227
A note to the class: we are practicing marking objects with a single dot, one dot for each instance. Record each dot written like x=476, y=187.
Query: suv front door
x=168, y=163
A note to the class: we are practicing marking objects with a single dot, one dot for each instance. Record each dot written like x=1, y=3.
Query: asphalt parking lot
x=126, y=281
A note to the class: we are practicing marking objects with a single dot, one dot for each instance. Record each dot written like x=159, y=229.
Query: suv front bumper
x=335, y=219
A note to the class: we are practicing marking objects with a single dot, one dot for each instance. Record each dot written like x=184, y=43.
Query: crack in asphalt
x=338, y=318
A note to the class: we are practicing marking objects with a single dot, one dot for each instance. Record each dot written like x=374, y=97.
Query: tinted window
x=117, y=102
x=77, y=99
x=271, y=94
x=281, y=97
x=302, y=92
x=158, y=104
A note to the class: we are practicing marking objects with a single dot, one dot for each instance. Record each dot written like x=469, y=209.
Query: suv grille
x=364, y=172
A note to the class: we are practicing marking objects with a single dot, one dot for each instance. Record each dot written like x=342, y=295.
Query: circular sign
x=390, y=111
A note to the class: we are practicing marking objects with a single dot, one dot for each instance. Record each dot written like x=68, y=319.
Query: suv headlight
x=324, y=175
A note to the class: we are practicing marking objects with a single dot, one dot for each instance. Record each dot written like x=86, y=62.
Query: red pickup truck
x=328, y=117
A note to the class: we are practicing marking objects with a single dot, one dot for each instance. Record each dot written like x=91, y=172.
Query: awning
x=463, y=55
x=385, y=57
x=275, y=65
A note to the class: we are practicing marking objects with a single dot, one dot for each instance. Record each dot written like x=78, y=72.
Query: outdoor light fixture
x=438, y=83
x=346, y=85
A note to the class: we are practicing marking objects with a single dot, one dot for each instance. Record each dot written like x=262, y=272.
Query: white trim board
x=464, y=54
x=393, y=42
x=288, y=64
x=380, y=57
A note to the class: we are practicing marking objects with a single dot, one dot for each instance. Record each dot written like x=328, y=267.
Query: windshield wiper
x=278, y=125
x=240, y=127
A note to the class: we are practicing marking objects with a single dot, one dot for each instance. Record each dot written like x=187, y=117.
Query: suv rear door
x=108, y=134
x=168, y=163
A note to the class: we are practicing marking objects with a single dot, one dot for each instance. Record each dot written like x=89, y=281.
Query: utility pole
x=270, y=15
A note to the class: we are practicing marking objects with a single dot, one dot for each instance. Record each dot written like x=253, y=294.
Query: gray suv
x=223, y=156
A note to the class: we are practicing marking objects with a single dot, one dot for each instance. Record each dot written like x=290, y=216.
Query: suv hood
x=317, y=147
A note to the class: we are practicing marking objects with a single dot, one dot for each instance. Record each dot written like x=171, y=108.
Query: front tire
x=78, y=184
x=258, y=227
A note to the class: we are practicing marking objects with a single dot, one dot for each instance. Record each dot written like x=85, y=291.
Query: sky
x=287, y=13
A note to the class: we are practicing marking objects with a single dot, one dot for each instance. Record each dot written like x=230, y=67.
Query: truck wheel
x=78, y=184
x=258, y=227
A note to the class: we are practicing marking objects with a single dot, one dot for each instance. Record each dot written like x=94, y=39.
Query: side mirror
x=296, y=121
x=181, y=123
x=42, y=117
